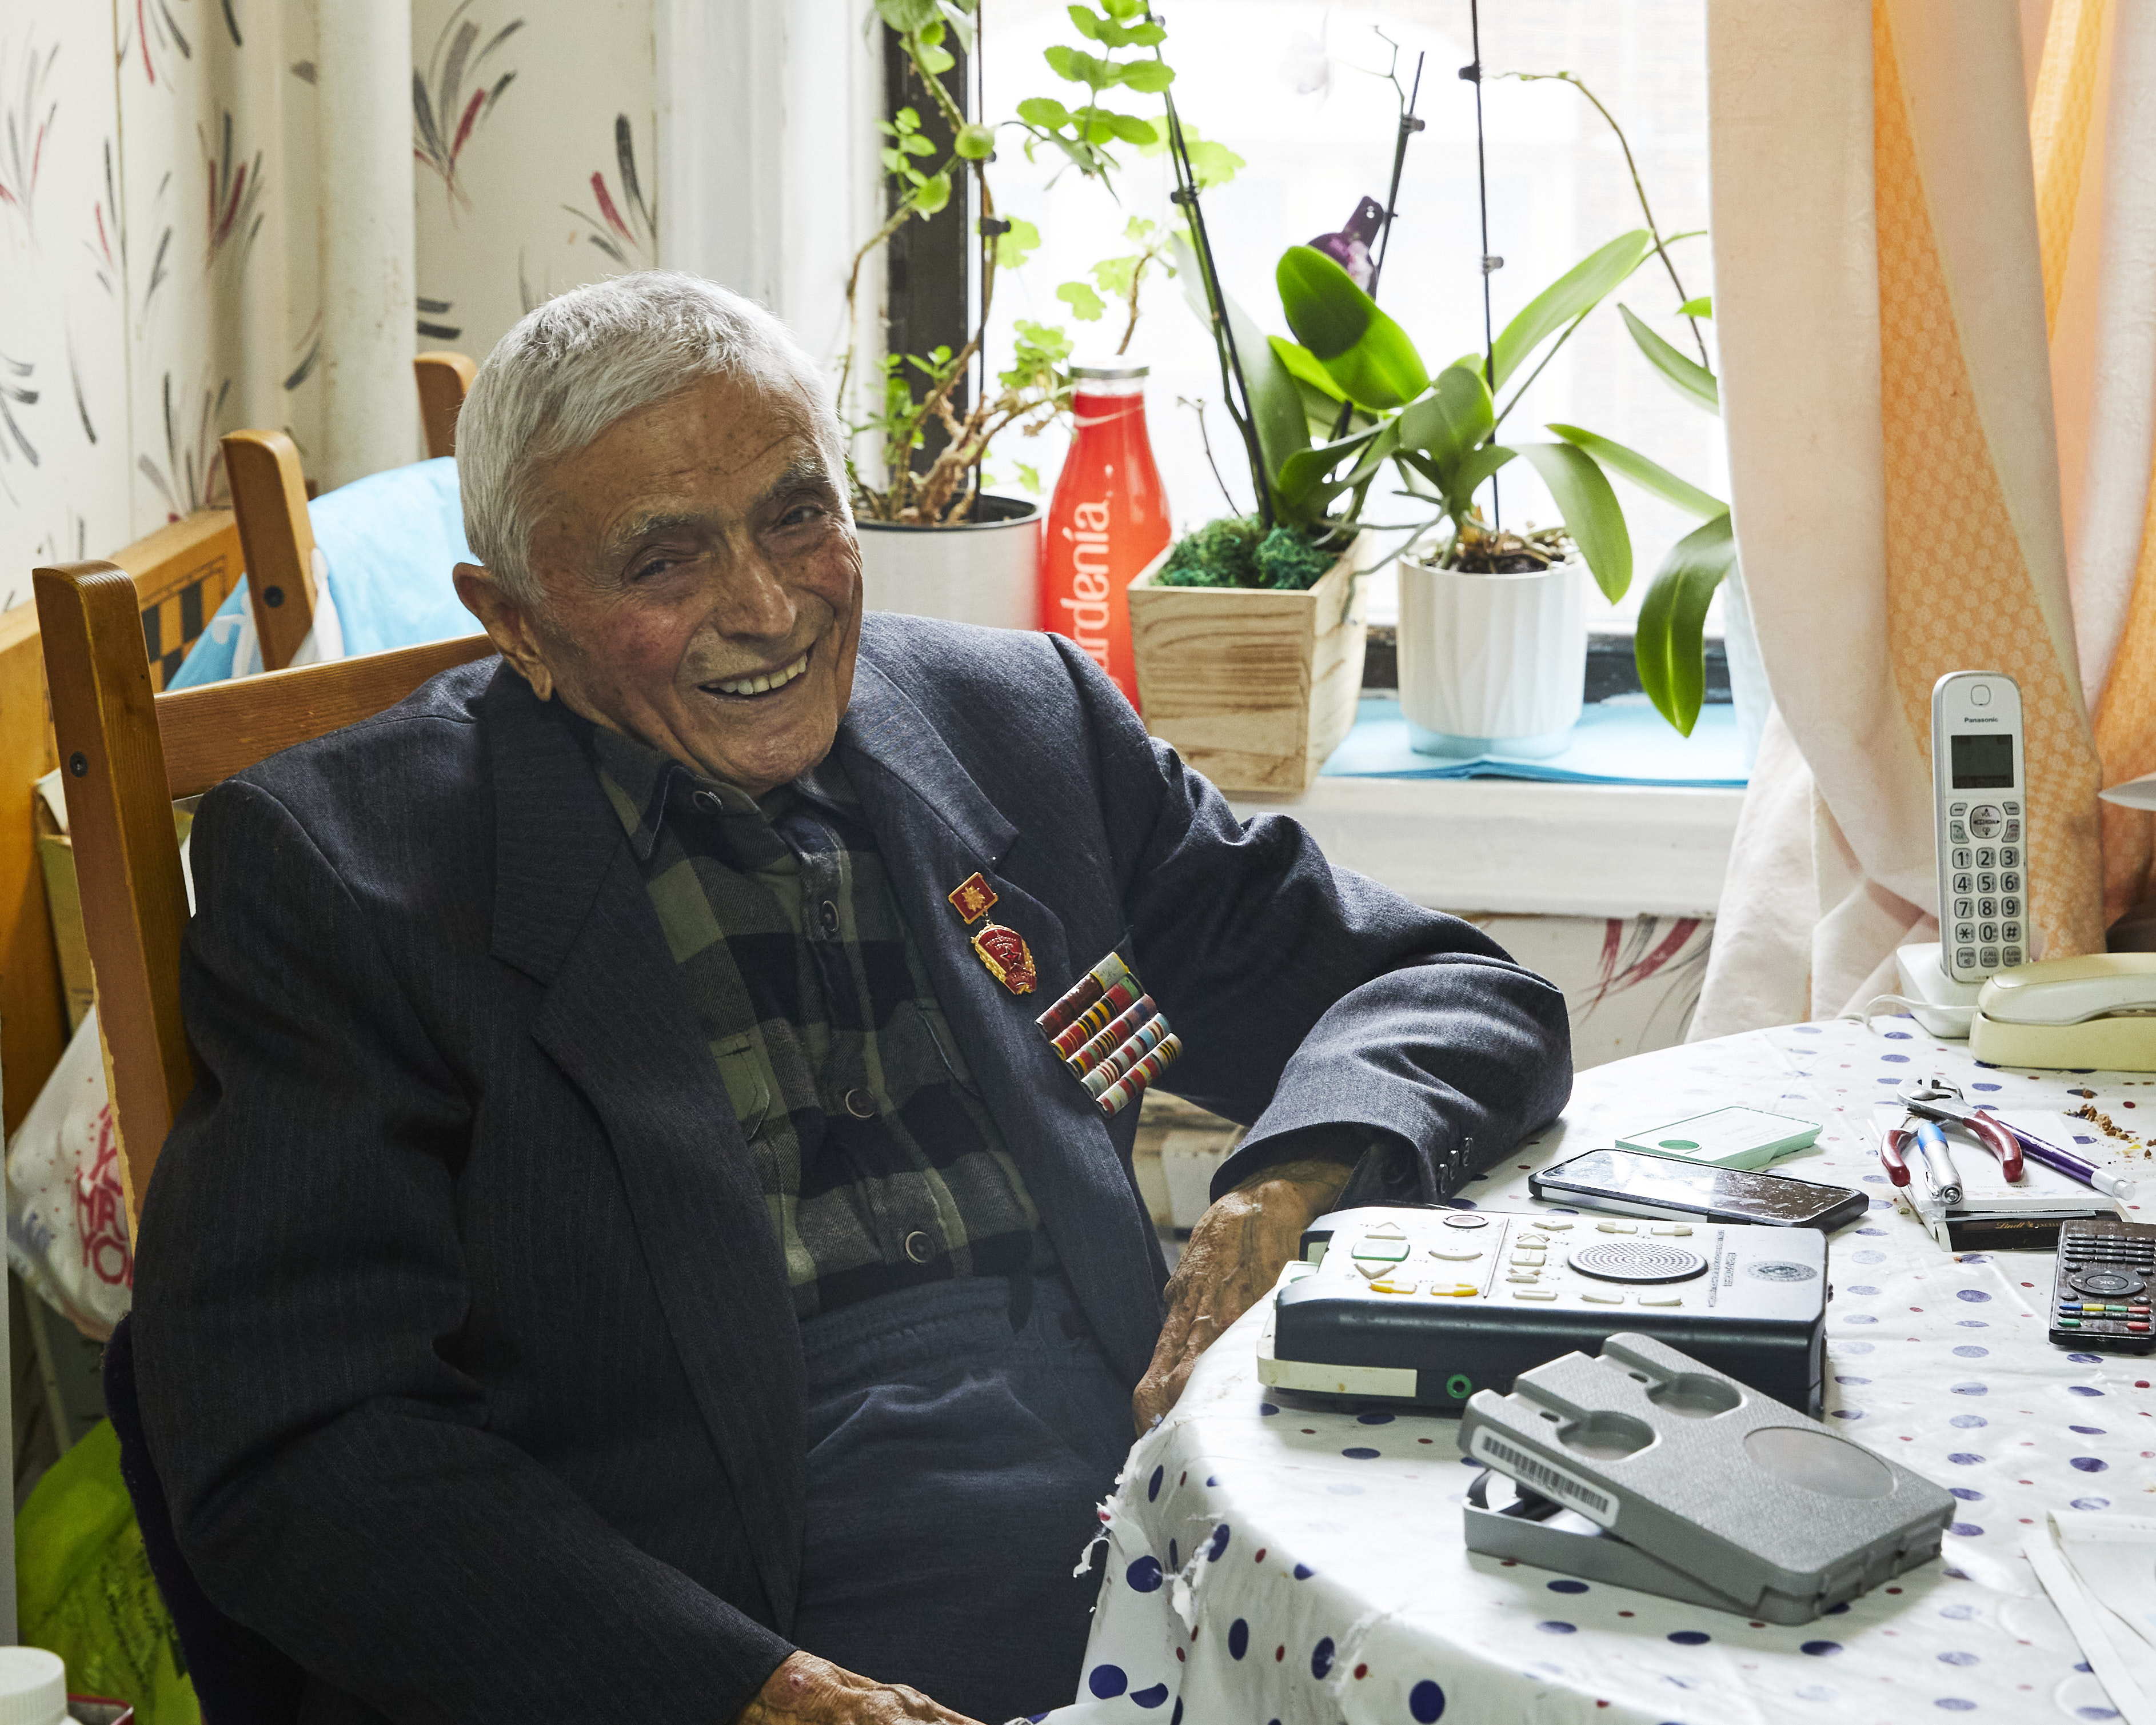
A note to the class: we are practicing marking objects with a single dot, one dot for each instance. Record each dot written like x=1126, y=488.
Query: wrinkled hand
x=1234, y=1258
x=810, y=1691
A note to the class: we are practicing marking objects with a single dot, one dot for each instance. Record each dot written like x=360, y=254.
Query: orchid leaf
x=1303, y=366
x=1572, y=295
x=1449, y=422
x=1690, y=380
x=1591, y=512
x=1648, y=475
x=1362, y=349
x=1668, y=646
x=1477, y=466
x=1311, y=479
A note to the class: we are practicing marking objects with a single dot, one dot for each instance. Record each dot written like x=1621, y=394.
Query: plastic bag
x=67, y=1219
x=84, y=1591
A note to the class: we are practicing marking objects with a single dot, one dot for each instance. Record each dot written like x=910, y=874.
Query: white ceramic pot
x=986, y=572
x=1492, y=664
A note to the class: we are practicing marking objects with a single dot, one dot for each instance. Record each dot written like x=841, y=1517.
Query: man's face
x=701, y=581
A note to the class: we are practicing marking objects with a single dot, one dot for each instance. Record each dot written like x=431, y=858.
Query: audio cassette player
x=1428, y=1306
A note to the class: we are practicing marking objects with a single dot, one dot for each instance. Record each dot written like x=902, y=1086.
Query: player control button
x=1462, y=1253
x=1617, y=1227
x=1661, y=1299
x=1546, y=1223
x=1458, y=1291
x=1597, y=1297
x=1636, y=1260
x=1389, y=1286
x=1534, y=1293
x=2107, y=1282
x=1524, y=1275
x=1466, y=1219
x=1675, y=1228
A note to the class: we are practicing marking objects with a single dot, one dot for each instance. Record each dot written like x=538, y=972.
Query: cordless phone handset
x=1980, y=797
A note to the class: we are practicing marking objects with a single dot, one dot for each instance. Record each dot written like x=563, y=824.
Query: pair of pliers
x=1933, y=1101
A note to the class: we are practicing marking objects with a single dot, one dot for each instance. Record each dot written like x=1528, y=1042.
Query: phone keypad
x=1984, y=929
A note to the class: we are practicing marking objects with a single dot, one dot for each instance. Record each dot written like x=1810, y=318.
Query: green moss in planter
x=1238, y=552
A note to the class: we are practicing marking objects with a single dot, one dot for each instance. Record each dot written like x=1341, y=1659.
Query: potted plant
x=934, y=542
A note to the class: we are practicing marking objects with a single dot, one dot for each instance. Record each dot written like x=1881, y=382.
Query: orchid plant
x=1119, y=51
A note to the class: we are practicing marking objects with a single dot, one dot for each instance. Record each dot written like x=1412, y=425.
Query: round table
x=1271, y=1565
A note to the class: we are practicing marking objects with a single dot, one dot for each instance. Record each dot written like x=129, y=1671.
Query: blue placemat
x=1620, y=741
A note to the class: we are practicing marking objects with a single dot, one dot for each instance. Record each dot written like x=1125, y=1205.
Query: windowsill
x=1522, y=847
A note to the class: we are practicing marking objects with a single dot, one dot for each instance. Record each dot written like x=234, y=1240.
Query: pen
x=1940, y=1173
x=2073, y=1167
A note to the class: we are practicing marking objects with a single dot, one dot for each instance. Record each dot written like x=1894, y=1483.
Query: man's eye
x=801, y=514
x=651, y=566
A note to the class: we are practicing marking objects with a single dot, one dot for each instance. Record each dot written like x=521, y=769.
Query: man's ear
x=508, y=624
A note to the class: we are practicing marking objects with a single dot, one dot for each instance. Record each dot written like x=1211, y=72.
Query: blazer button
x=919, y=1247
x=829, y=917
x=860, y=1104
x=708, y=801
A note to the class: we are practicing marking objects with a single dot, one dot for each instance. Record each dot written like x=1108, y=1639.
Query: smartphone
x=1979, y=789
x=1630, y=1184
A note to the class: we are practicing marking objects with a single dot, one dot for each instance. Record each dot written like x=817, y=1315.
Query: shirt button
x=919, y=1247
x=860, y=1103
x=827, y=915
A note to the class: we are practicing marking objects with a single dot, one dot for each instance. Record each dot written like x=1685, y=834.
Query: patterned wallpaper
x=158, y=240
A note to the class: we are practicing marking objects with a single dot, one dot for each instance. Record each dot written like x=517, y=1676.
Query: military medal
x=1009, y=958
x=1112, y=1037
x=973, y=898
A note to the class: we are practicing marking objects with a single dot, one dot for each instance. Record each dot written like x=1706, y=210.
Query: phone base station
x=1942, y=1005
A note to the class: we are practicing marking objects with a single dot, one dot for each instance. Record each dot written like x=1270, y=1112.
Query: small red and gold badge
x=1008, y=957
x=973, y=898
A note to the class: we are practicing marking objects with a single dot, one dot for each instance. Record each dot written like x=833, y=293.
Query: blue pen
x=1940, y=1173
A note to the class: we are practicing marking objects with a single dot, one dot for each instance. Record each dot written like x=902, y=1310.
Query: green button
x=1381, y=1251
x=2070, y=1323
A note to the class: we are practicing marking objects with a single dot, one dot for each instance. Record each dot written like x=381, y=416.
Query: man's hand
x=1234, y=1258
x=810, y=1691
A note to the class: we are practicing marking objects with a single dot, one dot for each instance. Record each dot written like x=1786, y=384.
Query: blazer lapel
x=934, y=827
x=572, y=913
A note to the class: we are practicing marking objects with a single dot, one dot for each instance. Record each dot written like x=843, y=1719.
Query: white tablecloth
x=1270, y=1566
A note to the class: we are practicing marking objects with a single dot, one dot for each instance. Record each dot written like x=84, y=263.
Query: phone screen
x=1661, y=1180
x=1982, y=763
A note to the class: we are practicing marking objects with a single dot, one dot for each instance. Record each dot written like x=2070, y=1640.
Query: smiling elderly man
x=626, y=1256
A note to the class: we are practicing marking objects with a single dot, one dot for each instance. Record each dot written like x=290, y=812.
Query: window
x=1557, y=189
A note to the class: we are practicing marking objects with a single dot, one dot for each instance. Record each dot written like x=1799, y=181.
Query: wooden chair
x=269, y=498
x=180, y=575
x=130, y=753
x=444, y=380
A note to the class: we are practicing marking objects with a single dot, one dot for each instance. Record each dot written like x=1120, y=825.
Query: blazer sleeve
x=333, y=1480
x=1307, y=995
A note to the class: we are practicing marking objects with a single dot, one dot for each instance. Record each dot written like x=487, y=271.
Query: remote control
x=2100, y=1289
x=1980, y=795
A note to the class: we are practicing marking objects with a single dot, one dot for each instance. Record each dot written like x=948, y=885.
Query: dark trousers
x=955, y=1464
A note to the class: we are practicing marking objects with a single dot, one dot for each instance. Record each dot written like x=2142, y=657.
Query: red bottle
x=1109, y=520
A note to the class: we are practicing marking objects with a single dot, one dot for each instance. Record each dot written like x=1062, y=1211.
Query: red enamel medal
x=972, y=898
x=1008, y=957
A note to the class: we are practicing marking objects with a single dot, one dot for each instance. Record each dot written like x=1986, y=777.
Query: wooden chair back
x=129, y=753
x=181, y=574
x=444, y=379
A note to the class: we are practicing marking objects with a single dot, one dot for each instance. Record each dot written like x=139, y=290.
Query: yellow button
x=1392, y=1288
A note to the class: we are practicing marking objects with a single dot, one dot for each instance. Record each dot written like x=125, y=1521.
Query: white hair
x=576, y=365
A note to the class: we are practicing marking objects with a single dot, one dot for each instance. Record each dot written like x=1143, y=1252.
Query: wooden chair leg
x=133, y=899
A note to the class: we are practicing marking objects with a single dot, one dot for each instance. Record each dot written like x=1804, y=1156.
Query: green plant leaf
x=1449, y=422
x=1307, y=469
x=1085, y=305
x=1362, y=349
x=1592, y=514
x=1016, y=244
x=975, y=143
x=1648, y=475
x=1690, y=380
x=1703, y=306
x=907, y=15
x=932, y=194
x=1303, y=366
x=1072, y=66
x=1148, y=77
x=1282, y=426
x=1573, y=295
x=1123, y=9
x=1130, y=128
x=1468, y=474
x=1667, y=645
x=1087, y=22
x=1043, y=111
x=962, y=25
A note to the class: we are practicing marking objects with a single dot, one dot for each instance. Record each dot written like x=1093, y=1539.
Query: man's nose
x=751, y=599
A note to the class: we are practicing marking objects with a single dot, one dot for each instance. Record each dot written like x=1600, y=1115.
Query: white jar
x=32, y=1688
x=1492, y=664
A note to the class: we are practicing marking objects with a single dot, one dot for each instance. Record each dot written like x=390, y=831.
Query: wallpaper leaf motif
x=192, y=476
x=610, y=231
x=15, y=392
x=443, y=117
x=23, y=133
x=111, y=250
x=234, y=194
x=153, y=18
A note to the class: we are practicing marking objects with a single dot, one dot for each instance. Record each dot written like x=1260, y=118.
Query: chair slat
x=211, y=732
x=445, y=378
x=270, y=500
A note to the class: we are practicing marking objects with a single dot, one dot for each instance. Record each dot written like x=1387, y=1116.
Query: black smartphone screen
x=1728, y=1194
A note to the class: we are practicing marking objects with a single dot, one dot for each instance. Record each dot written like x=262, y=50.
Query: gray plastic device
x=1645, y=1469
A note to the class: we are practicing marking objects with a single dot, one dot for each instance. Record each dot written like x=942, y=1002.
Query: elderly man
x=627, y=1256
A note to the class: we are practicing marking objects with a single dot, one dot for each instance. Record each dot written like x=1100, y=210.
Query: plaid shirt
x=880, y=1164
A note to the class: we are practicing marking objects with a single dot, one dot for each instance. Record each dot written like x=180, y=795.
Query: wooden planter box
x=1254, y=688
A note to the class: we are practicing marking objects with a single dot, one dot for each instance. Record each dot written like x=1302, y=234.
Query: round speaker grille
x=1636, y=1260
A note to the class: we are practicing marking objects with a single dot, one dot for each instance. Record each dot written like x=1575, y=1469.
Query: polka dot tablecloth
x=1271, y=1565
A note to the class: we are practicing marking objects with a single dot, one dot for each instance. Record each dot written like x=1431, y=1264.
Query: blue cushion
x=390, y=541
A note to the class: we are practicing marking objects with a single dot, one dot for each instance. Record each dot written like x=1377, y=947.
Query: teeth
x=760, y=685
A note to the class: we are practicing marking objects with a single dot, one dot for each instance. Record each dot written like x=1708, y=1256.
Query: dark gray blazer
x=464, y=1342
